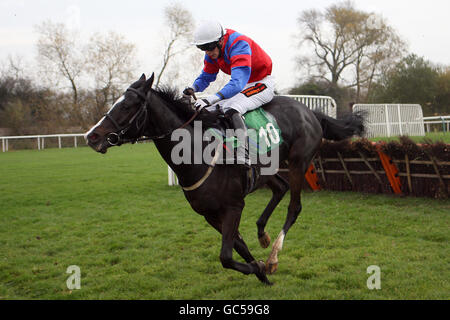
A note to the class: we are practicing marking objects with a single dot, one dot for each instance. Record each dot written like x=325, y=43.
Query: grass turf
x=431, y=136
x=134, y=237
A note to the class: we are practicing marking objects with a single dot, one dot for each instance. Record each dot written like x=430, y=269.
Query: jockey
x=251, y=83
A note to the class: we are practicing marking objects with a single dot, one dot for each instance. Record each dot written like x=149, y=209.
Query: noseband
x=139, y=119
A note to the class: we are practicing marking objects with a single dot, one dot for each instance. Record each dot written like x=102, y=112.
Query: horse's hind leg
x=279, y=186
x=300, y=156
x=296, y=176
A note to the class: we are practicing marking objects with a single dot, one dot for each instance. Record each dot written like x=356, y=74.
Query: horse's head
x=125, y=121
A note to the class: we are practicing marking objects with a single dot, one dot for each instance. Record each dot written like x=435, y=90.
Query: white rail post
x=173, y=181
x=59, y=142
x=399, y=119
x=388, y=125
x=75, y=142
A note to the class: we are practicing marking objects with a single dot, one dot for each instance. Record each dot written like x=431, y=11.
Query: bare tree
x=378, y=49
x=180, y=23
x=59, y=57
x=14, y=81
x=107, y=62
x=111, y=61
x=346, y=39
x=13, y=67
x=329, y=34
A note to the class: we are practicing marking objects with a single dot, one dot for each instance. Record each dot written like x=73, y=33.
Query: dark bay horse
x=217, y=192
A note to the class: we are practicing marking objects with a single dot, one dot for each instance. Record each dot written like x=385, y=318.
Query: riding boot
x=240, y=129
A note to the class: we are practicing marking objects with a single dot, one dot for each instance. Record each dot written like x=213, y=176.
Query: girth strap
x=208, y=172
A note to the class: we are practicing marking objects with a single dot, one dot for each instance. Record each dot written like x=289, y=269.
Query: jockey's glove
x=205, y=102
x=188, y=91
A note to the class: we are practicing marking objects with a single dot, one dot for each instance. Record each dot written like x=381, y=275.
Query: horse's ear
x=142, y=78
x=149, y=82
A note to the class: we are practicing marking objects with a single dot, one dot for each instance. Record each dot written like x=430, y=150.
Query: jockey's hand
x=200, y=104
x=205, y=102
x=188, y=91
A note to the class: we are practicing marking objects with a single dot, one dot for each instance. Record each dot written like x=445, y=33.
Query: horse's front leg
x=230, y=234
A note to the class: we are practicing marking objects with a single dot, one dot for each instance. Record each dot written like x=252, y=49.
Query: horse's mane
x=178, y=104
x=182, y=107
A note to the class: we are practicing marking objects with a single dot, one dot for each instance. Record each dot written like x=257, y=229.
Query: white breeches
x=254, y=95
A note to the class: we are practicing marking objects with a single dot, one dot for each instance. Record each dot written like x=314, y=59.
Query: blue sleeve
x=203, y=81
x=239, y=79
x=208, y=75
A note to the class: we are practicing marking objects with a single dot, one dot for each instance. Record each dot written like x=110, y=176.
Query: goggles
x=208, y=46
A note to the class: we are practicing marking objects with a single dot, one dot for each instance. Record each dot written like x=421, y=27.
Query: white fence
x=324, y=104
x=40, y=140
x=387, y=120
x=439, y=123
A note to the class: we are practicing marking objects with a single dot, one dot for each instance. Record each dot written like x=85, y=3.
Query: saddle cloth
x=263, y=132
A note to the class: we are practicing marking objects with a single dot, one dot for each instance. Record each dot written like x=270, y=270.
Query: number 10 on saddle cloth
x=264, y=135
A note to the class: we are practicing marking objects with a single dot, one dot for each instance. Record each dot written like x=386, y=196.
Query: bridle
x=139, y=119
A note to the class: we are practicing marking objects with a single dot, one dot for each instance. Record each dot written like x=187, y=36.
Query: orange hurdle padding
x=391, y=171
x=311, y=177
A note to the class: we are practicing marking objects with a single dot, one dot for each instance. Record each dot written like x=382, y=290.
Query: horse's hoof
x=264, y=241
x=267, y=282
x=271, y=268
x=261, y=272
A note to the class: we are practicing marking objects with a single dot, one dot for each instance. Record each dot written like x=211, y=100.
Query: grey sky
x=423, y=24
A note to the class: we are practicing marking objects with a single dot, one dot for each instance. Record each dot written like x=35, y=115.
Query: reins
x=211, y=166
x=193, y=116
x=117, y=139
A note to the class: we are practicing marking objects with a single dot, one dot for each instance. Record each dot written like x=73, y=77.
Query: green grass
x=134, y=237
x=433, y=136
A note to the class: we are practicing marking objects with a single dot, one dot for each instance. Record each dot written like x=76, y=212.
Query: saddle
x=263, y=131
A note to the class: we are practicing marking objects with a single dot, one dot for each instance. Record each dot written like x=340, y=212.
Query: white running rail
x=40, y=139
x=441, y=122
x=324, y=104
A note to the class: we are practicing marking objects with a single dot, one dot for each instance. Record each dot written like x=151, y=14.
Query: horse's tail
x=339, y=129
